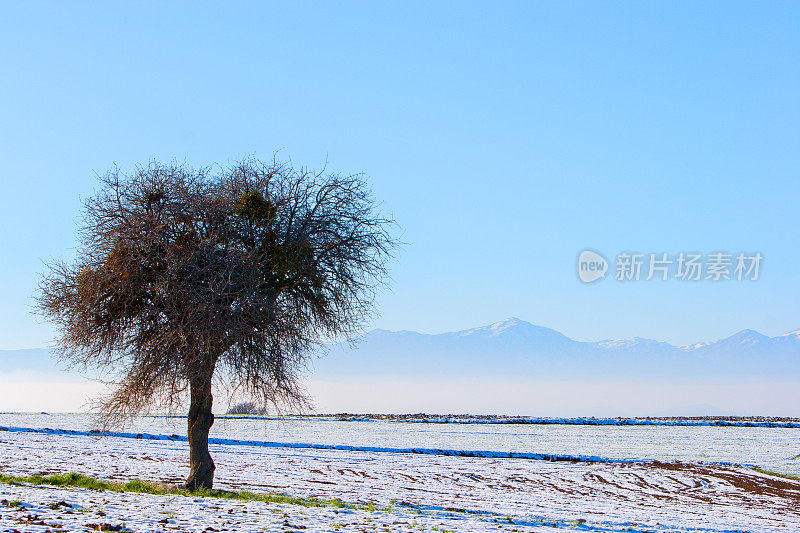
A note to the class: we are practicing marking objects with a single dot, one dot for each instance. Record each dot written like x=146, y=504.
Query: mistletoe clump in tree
x=185, y=277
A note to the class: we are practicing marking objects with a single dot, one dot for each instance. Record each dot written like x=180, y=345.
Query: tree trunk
x=201, y=475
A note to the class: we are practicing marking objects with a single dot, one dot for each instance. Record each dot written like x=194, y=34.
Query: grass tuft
x=137, y=485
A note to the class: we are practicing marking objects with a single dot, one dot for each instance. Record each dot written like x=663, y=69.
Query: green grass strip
x=144, y=487
x=793, y=477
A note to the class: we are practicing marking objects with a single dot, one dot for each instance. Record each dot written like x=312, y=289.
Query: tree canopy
x=183, y=274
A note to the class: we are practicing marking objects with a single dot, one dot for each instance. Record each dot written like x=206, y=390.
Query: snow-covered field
x=771, y=448
x=411, y=492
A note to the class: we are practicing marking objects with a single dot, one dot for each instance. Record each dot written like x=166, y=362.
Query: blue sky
x=503, y=137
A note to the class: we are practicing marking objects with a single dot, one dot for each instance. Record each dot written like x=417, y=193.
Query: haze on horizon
x=380, y=375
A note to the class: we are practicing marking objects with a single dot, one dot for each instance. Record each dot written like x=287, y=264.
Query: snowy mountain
x=514, y=347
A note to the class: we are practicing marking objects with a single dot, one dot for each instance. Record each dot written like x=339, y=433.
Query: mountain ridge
x=514, y=347
x=510, y=322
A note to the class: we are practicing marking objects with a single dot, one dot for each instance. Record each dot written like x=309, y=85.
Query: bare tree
x=243, y=271
x=246, y=408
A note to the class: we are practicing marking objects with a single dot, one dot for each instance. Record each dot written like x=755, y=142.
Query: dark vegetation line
x=745, y=422
x=690, y=422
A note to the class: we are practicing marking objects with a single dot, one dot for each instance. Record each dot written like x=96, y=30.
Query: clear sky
x=504, y=138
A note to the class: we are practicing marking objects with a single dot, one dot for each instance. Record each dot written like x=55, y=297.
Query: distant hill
x=516, y=348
